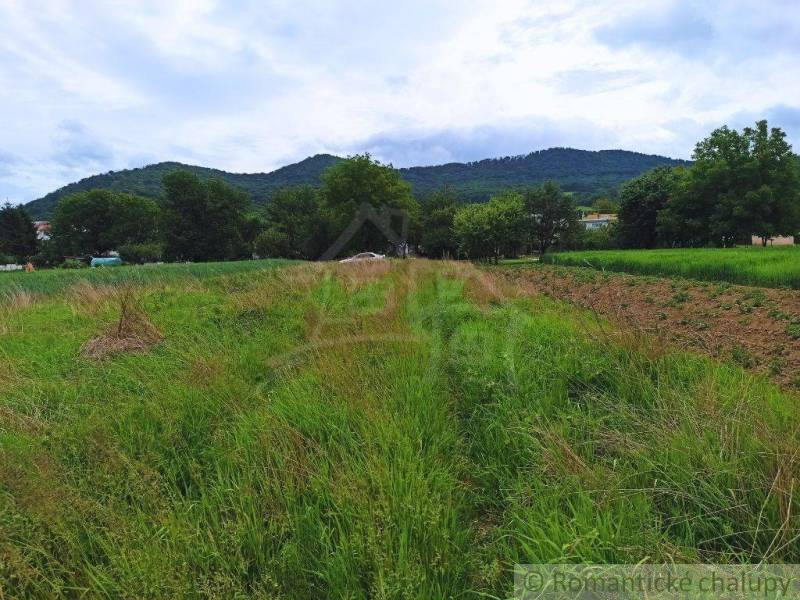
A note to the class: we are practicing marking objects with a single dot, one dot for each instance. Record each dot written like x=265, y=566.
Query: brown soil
x=759, y=328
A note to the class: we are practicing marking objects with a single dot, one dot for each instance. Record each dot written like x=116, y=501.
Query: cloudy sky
x=93, y=85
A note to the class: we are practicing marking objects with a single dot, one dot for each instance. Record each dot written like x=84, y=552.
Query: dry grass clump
x=354, y=276
x=85, y=297
x=299, y=279
x=133, y=332
x=17, y=299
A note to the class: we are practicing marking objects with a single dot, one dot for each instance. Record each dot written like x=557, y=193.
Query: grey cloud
x=403, y=148
x=727, y=30
x=75, y=146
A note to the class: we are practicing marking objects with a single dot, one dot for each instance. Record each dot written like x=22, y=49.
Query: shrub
x=73, y=263
x=141, y=253
x=7, y=260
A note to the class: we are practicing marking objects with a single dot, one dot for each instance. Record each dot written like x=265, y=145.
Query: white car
x=364, y=256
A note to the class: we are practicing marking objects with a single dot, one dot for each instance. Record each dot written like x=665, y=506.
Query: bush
x=604, y=238
x=7, y=260
x=271, y=243
x=48, y=255
x=73, y=263
x=148, y=252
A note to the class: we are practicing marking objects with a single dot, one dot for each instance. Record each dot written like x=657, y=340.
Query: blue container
x=106, y=262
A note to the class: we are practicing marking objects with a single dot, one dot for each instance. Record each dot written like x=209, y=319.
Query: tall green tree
x=97, y=221
x=204, y=220
x=361, y=180
x=493, y=229
x=740, y=184
x=551, y=215
x=641, y=199
x=298, y=221
x=437, y=237
x=17, y=233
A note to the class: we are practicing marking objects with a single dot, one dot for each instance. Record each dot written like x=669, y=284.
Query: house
x=597, y=220
x=42, y=230
x=774, y=241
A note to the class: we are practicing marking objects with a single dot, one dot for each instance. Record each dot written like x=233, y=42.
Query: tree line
x=740, y=183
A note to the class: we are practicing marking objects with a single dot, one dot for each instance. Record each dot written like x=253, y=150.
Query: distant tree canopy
x=296, y=225
x=641, y=199
x=97, y=221
x=740, y=184
x=17, y=234
x=436, y=235
x=587, y=174
x=204, y=220
x=360, y=180
x=496, y=228
x=551, y=213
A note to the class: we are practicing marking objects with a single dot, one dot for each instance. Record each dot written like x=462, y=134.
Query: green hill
x=582, y=172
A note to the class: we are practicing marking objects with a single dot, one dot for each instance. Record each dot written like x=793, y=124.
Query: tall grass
x=51, y=281
x=388, y=431
x=768, y=267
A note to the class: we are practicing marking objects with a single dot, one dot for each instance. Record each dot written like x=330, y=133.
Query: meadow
x=50, y=281
x=403, y=429
x=748, y=265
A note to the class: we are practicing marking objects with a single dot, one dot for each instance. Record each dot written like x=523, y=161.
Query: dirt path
x=759, y=328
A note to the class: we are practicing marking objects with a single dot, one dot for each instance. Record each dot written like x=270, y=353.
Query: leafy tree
x=491, y=230
x=17, y=233
x=147, y=252
x=272, y=243
x=97, y=221
x=204, y=220
x=436, y=224
x=297, y=217
x=740, y=184
x=551, y=214
x=641, y=199
x=605, y=205
x=358, y=180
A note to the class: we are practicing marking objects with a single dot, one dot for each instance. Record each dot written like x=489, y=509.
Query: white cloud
x=89, y=85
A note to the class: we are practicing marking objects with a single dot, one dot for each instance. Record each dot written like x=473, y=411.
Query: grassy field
x=769, y=267
x=388, y=430
x=56, y=280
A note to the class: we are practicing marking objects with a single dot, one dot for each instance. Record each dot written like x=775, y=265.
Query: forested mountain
x=582, y=172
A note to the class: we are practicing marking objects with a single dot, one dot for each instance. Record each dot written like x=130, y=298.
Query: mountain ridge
x=583, y=172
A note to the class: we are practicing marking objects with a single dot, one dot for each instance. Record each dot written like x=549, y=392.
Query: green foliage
x=97, y=221
x=272, y=243
x=17, y=234
x=359, y=180
x=641, y=200
x=602, y=238
x=583, y=172
x=777, y=266
x=73, y=263
x=148, y=181
x=204, y=220
x=605, y=205
x=740, y=184
x=437, y=237
x=552, y=215
x=296, y=224
x=149, y=252
x=491, y=230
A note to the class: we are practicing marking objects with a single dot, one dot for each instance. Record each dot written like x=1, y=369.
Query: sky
x=89, y=86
